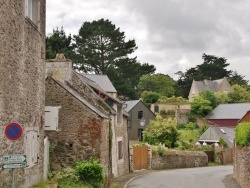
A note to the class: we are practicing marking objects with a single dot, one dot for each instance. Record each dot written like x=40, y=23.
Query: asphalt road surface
x=204, y=177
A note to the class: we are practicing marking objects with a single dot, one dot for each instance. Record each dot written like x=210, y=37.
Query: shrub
x=66, y=175
x=242, y=134
x=91, y=172
x=161, y=150
x=223, y=143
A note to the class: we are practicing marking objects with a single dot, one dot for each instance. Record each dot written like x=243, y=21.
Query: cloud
x=171, y=34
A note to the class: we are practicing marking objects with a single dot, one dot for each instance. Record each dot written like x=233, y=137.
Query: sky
x=172, y=35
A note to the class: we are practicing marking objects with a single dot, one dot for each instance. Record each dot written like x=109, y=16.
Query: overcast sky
x=170, y=34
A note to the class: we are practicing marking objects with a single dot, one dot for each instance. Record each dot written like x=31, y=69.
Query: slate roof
x=103, y=81
x=96, y=86
x=229, y=111
x=211, y=85
x=215, y=133
x=81, y=98
x=130, y=105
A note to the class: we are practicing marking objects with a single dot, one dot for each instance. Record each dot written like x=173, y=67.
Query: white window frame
x=32, y=10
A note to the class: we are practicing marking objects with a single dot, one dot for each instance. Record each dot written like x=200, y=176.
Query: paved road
x=204, y=177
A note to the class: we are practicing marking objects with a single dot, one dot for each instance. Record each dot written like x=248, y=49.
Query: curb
x=126, y=184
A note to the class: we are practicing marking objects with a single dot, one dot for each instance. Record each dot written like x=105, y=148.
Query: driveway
x=204, y=177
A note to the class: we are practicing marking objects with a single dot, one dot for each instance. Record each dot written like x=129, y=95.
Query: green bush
x=91, y=172
x=161, y=150
x=242, y=134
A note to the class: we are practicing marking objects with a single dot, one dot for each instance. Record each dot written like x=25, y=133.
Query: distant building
x=228, y=115
x=213, y=135
x=217, y=86
x=140, y=116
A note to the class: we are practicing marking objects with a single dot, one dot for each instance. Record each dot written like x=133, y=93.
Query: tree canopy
x=212, y=68
x=101, y=48
x=158, y=83
x=100, y=45
x=162, y=131
x=59, y=42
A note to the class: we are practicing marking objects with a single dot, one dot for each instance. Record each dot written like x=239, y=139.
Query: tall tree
x=212, y=68
x=100, y=46
x=239, y=94
x=238, y=79
x=59, y=42
x=125, y=85
x=159, y=83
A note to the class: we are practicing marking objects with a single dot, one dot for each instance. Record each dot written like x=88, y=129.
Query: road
x=204, y=177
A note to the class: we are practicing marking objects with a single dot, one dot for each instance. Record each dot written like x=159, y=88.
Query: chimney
x=59, y=68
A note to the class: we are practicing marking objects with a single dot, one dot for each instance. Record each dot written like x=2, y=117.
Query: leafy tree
x=209, y=95
x=190, y=126
x=200, y=106
x=150, y=97
x=124, y=84
x=100, y=45
x=239, y=94
x=238, y=79
x=222, y=98
x=162, y=131
x=242, y=134
x=212, y=68
x=101, y=49
x=59, y=42
x=173, y=99
x=159, y=83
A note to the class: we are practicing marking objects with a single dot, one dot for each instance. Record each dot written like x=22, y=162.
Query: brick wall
x=242, y=166
x=21, y=84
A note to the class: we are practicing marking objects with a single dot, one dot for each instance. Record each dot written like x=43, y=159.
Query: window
x=156, y=109
x=32, y=10
x=140, y=114
x=140, y=134
x=120, y=150
x=119, y=114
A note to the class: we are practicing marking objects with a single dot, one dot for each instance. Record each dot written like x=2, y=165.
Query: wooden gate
x=140, y=157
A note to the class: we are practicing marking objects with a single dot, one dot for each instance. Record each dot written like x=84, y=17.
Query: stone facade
x=217, y=86
x=22, y=56
x=180, y=111
x=242, y=166
x=179, y=159
x=84, y=129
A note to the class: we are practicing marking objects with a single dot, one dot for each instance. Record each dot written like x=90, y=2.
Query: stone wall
x=178, y=159
x=242, y=166
x=82, y=133
x=22, y=56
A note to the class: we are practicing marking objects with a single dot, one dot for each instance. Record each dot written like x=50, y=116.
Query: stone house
x=217, y=86
x=139, y=117
x=86, y=125
x=22, y=60
x=119, y=121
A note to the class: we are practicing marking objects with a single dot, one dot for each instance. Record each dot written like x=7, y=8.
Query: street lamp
x=142, y=122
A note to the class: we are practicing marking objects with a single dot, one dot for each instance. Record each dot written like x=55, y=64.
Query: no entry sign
x=13, y=131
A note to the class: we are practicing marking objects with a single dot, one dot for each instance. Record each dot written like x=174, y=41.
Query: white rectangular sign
x=14, y=159
x=14, y=165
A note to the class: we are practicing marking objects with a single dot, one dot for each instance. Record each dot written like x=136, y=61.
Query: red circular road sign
x=13, y=131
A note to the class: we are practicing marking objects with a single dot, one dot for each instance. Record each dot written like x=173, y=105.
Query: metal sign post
x=13, y=132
